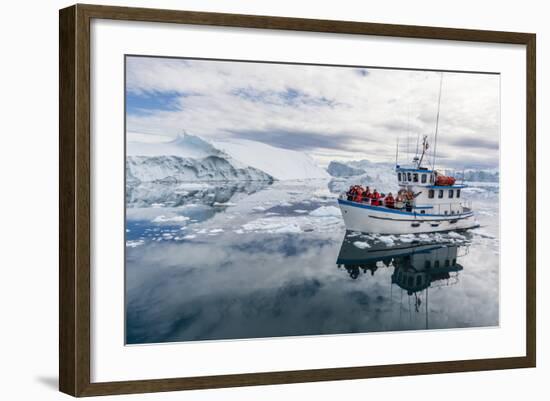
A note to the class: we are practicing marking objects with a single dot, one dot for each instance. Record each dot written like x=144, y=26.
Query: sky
x=328, y=112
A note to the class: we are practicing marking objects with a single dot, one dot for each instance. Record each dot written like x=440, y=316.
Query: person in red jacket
x=375, y=198
x=367, y=194
x=360, y=195
x=389, y=201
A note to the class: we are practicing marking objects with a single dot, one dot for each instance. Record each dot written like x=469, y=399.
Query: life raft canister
x=444, y=180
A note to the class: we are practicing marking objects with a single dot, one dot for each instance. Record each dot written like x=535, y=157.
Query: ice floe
x=361, y=244
x=170, y=219
x=407, y=238
x=221, y=204
x=389, y=240
x=134, y=243
x=326, y=211
x=273, y=226
x=455, y=235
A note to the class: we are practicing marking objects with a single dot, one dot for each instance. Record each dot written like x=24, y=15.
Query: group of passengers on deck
x=357, y=193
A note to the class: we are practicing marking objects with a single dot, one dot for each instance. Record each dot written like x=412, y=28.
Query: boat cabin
x=430, y=196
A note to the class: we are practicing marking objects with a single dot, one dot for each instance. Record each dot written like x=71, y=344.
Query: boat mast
x=424, y=148
x=437, y=120
x=396, y=151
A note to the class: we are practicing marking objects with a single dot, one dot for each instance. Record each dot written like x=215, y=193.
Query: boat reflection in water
x=417, y=267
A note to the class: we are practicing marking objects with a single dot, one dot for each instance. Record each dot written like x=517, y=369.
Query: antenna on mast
x=425, y=147
x=396, y=150
x=437, y=120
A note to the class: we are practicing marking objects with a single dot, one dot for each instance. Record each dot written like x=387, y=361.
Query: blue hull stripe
x=386, y=210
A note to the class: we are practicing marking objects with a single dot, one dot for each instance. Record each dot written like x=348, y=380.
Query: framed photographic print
x=250, y=200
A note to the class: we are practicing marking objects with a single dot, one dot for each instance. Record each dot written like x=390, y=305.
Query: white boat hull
x=381, y=220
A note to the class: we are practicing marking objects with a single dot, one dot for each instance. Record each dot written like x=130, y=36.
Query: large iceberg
x=181, y=169
x=192, y=158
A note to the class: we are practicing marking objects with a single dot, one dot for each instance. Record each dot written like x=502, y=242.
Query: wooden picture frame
x=74, y=199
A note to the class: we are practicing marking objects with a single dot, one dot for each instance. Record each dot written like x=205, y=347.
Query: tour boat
x=434, y=203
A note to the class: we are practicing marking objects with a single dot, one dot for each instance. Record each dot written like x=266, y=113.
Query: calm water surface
x=230, y=262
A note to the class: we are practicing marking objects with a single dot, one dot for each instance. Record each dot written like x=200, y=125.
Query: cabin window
x=431, y=178
x=440, y=194
x=446, y=212
x=415, y=177
x=436, y=264
x=427, y=264
x=447, y=262
x=410, y=281
x=454, y=262
x=409, y=176
x=422, y=211
x=458, y=193
x=424, y=178
x=431, y=193
x=399, y=176
x=451, y=193
x=418, y=280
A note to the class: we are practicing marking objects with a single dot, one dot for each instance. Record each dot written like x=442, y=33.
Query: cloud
x=298, y=140
x=474, y=143
x=355, y=112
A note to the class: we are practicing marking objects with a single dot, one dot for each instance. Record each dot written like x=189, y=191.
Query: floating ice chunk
x=239, y=231
x=221, y=204
x=190, y=236
x=301, y=211
x=273, y=226
x=388, y=240
x=134, y=243
x=326, y=211
x=272, y=214
x=157, y=205
x=406, y=238
x=285, y=204
x=424, y=237
x=216, y=230
x=361, y=244
x=454, y=234
x=165, y=219
x=259, y=209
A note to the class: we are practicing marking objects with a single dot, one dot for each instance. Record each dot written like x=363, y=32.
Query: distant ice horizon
x=404, y=159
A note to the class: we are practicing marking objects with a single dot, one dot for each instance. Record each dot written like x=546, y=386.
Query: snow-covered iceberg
x=181, y=169
x=282, y=164
x=192, y=158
